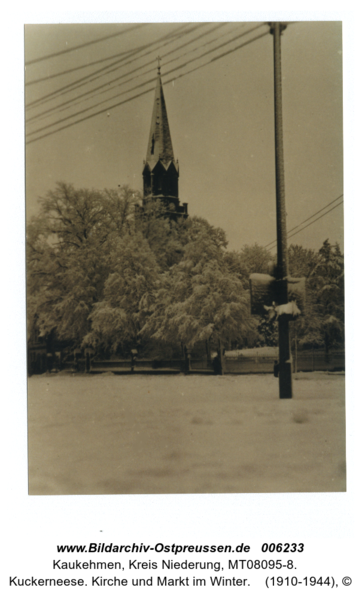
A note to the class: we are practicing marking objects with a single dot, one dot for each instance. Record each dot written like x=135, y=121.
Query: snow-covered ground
x=108, y=434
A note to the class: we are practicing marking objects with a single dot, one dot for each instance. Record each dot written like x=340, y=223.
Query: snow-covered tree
x=301, y=261
x=69, y=256
x=199, y=298
x=256, y=259
x=118, y=318
x=327, y=281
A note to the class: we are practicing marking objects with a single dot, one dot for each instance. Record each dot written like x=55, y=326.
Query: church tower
x=161, y=171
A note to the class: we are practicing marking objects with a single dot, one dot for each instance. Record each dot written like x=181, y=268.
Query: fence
x=306, y=360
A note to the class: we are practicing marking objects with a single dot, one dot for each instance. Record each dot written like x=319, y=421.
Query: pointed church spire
x=159, y=142
x=161, y=171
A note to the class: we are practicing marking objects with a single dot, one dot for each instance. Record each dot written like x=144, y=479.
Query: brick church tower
x=161, y=171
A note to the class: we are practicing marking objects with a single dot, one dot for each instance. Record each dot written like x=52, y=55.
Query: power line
x=142, y=93
x=84, y=66
x=317, y=219
x=305, y=220
x=106, y=87
x=95, y=62
x=146, y=82
x=316, y=213
x=79, y=82
x=107, y=37
x=174, y=33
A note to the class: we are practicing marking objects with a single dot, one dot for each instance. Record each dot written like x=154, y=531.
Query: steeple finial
x=159, y=65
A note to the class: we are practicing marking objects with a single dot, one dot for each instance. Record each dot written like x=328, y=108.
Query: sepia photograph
x=185, y=258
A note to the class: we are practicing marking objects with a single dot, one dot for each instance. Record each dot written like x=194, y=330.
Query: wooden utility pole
x=279, y=295
x=285, y=360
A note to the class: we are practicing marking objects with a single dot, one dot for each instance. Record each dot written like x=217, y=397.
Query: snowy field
x=108, y=434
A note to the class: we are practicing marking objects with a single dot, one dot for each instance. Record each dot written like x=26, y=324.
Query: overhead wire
x=95, y=62
x=109, y=87
x=90, y=43
x=145, y=83
x=106, y=87
x=317, y=219
x=305, y=220
x=104, y=70
x=174, y=78
x=105, y=59
x=273, y=244
x=78, y=68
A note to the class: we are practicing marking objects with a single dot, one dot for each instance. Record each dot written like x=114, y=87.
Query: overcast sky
x=221, y=118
